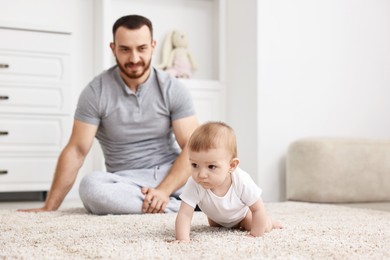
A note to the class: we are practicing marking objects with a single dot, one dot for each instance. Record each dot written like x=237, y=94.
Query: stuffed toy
x=176, y=59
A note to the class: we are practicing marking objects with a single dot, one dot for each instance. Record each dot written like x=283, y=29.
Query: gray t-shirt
x=135, y=129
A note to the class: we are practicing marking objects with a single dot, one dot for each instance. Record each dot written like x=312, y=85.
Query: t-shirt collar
x=141, y=88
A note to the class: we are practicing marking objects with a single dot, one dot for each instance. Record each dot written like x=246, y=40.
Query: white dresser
x=35, y=102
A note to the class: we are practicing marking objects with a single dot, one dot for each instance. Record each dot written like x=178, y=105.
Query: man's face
x=133, y=50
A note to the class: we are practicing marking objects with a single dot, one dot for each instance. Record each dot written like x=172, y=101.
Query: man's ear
x=153, y=46
x=112, y=46
x=234, y=163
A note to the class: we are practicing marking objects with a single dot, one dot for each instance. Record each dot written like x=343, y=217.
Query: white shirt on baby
x=230, y=209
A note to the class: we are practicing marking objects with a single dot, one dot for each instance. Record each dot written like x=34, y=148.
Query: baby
x=224, y=192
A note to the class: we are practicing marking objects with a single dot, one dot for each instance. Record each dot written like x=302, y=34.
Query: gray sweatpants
x=120, y=193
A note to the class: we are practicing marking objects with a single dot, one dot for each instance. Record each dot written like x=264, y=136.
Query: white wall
x=304, y=68
x=241, y=80
x=72, y=16
x=324, y=70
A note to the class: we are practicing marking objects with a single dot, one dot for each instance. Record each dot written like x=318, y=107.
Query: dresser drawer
x=34, y=41
x=33, y=68
x=32, y=134
x=35, y=171
x=31, y=99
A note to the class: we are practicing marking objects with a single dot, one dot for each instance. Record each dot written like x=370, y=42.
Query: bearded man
x=142, y=118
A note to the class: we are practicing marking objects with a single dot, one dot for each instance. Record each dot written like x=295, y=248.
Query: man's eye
x=212, y=167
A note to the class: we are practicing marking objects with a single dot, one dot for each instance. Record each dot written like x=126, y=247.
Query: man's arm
x=157, y=199
x=70, y=161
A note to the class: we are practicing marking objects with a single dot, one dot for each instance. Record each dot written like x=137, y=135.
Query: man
x=136, y=112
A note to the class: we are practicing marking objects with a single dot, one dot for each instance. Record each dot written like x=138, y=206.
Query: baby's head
x=213, y=135
x=212, y=153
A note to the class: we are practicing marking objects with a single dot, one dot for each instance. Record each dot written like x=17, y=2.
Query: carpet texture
x=312, y=231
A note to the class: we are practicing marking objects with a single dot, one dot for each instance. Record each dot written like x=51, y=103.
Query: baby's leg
x=246, y=223
x=276, y=224
x=212, y=223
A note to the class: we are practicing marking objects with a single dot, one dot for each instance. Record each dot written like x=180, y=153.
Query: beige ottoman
x=338, y=170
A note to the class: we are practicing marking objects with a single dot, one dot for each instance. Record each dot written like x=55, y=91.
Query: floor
x=382, y=206
x=70, y=203
x=76, y=203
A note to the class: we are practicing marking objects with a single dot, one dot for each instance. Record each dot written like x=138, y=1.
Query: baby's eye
x=194, y=165
x=212, y=167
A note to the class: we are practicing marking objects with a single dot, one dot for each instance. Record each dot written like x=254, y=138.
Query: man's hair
x=132, y=22
x=213, y=135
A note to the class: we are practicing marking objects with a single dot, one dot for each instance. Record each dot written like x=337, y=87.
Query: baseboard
x=23, y=196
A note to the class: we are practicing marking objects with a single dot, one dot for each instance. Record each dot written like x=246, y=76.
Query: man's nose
x=134, y=57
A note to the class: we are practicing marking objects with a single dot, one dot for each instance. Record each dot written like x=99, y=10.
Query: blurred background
x=275, y=70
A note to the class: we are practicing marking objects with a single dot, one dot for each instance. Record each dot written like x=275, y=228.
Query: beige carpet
x=312, y=231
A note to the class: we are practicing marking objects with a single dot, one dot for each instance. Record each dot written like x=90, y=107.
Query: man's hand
x=43, y=209
x=155, y=200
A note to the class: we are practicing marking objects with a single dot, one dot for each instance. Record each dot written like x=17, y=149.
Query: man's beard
x=133, y=75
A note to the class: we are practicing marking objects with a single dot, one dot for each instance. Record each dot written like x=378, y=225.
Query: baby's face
x=211, y=168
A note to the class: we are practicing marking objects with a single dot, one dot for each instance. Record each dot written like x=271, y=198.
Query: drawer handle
x=3, y=171
x=4, y=97
x=4, y=66
x=3, y=132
